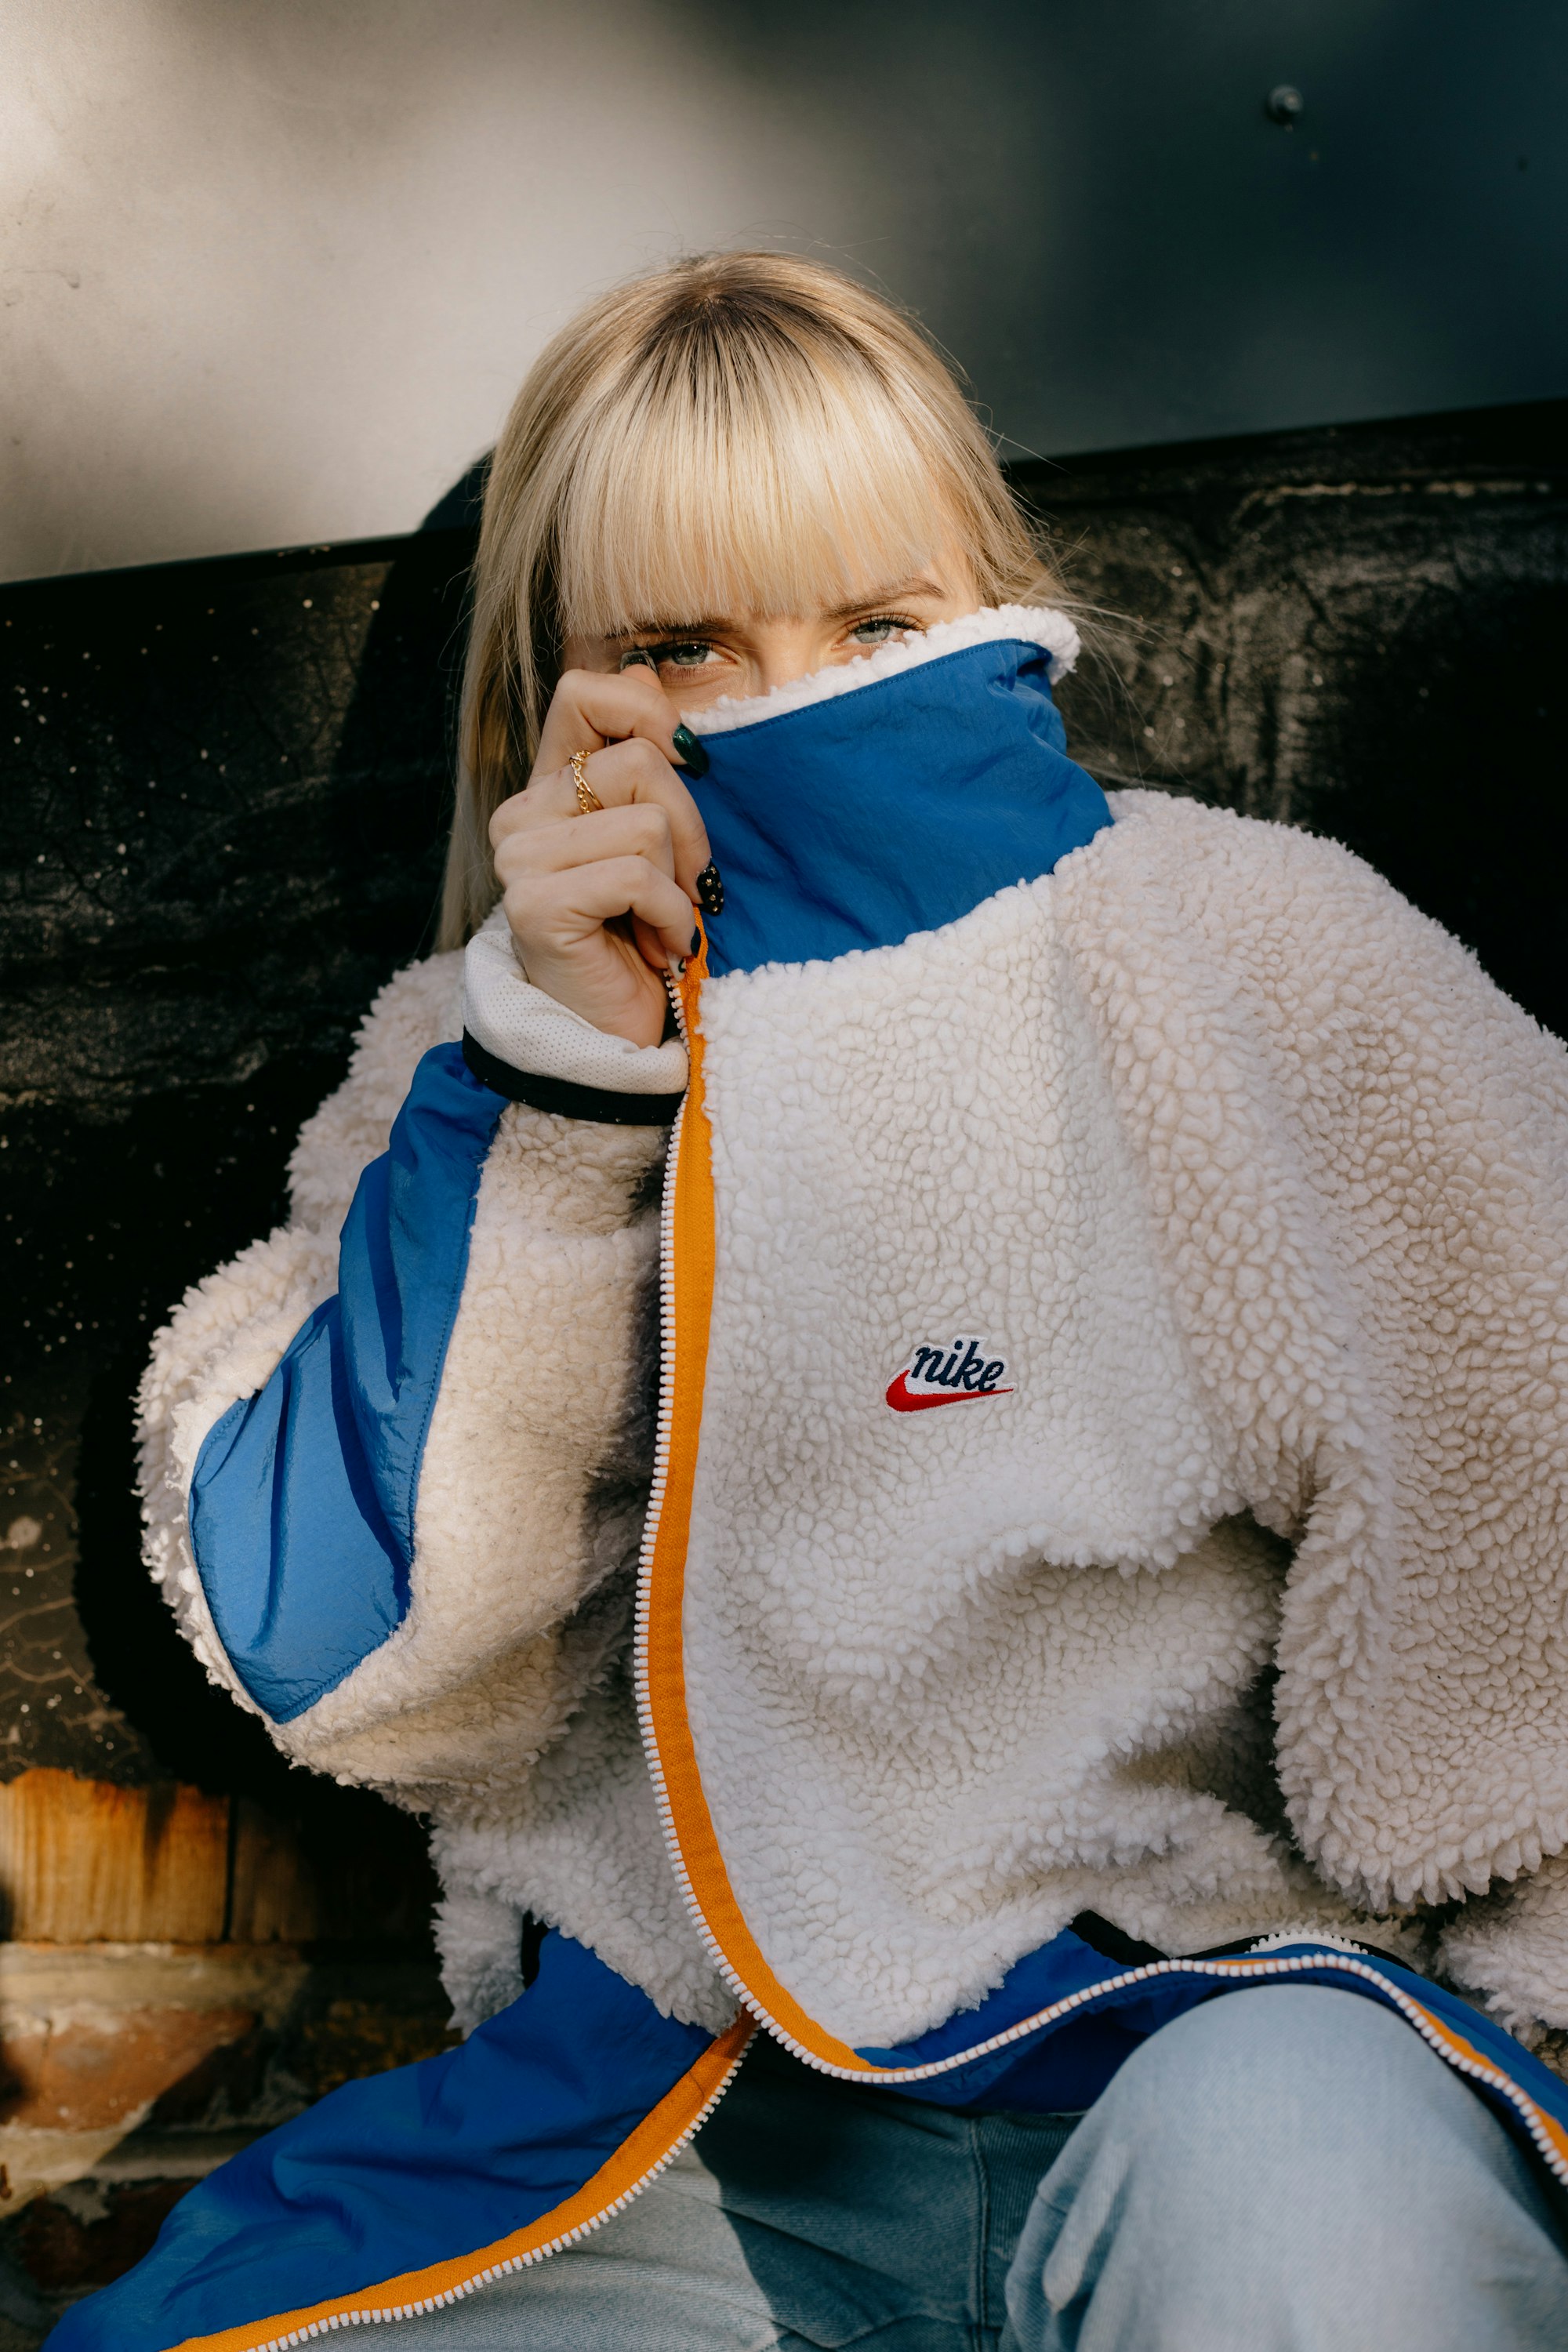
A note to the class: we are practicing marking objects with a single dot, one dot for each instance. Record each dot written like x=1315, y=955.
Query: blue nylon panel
x=891, y=809
x=406, y=2169
x=1057, y=2072
x=302, y=1504
x=300, y=1568
x=1066, y=2066
x=444, y=2159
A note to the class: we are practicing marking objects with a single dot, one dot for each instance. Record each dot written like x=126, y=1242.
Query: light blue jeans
x=1285, y=2169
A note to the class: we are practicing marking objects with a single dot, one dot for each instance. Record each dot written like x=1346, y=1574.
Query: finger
x=564, y=911
x=632, y=772
x=616, y=773
x=640, y=829
x=592, y=708
x=629, y=773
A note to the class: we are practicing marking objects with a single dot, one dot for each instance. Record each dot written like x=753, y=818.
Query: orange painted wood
x=82, y=1862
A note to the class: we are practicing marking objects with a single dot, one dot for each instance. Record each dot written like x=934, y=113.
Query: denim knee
x=1290, y=2166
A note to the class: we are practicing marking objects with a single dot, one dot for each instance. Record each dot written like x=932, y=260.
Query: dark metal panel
x=1092, y=208
x=225, y=788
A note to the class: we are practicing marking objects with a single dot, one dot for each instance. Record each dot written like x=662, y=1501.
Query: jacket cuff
x=524, y=1045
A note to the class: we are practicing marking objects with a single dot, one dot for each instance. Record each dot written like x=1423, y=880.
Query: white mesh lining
x=523, y=1027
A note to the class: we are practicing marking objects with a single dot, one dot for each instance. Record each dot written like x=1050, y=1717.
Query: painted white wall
x=272, y=269
x=276, y=266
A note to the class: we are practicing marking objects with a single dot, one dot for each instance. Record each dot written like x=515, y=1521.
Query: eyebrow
x=903, y=590
x=919, y=586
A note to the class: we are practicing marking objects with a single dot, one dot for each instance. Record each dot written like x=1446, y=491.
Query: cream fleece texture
x=1257, y=1184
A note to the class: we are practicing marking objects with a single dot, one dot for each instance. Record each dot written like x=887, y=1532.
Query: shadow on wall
x=1089, y=205
x=227, y=793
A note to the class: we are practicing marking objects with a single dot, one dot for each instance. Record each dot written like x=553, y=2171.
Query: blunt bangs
x=723, y=479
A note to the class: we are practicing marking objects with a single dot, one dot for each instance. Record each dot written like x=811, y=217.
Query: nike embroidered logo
x=970, y=1369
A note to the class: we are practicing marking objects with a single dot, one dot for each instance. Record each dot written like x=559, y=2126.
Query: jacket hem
x=640, y=2159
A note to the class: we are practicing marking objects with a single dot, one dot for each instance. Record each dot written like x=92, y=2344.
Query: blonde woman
x=924, y=1413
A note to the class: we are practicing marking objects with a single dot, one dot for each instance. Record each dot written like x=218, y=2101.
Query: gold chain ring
x=587, y=798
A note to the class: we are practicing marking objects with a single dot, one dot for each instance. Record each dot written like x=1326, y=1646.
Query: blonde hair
x=742, y=432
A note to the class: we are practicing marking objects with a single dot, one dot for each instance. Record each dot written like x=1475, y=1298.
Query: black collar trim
x=564, y=1100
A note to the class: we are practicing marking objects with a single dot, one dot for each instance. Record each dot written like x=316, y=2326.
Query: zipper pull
x=684, y=991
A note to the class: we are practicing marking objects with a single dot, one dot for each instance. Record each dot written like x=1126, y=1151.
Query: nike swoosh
x=901, y=1399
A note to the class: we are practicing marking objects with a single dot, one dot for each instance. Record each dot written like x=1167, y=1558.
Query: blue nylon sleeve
x=403, y=2170
x=301, y=1508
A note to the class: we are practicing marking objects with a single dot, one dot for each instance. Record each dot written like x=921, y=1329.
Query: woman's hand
x=601, y=905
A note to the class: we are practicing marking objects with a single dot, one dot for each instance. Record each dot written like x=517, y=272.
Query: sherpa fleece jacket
x=1043, y=1497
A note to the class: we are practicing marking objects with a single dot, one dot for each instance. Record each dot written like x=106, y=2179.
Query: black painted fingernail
x=695, y=941
x=691, y=751
x=711, y=890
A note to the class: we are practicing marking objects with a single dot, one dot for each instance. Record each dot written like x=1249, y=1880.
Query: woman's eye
x=684, y=656
x=879, y=633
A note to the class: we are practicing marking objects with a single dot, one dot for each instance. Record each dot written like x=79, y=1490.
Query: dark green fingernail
x=695, y=941
x=711, y=890
x=691, y=751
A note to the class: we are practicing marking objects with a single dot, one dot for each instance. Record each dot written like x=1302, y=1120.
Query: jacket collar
x=892, y=795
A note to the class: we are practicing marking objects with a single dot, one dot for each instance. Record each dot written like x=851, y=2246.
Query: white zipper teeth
x=643, y=1614
x=1408, y=2009
x=418, y=2309
x=425, y=2303
x=748, y=1999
